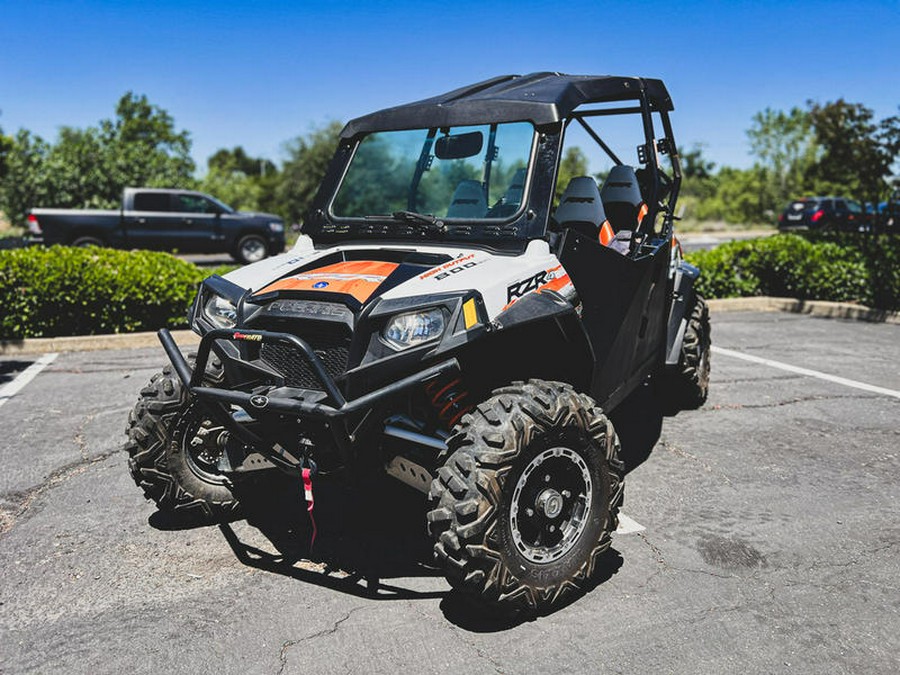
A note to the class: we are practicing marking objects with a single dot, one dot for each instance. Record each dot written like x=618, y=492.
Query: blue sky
x=259, y=73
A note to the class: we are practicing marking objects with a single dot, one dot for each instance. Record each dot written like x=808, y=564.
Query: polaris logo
x=302, y=308
x=520, y=288
x=259, y=401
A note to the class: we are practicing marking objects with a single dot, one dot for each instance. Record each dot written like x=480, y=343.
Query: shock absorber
x=449, y=398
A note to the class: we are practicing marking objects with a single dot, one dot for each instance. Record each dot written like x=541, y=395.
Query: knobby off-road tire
x=527, y=449
x=686, y=386
x=162, y=461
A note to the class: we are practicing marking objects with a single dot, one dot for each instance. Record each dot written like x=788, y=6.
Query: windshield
x=466, y=173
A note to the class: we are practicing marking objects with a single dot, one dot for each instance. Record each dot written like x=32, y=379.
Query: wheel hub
x=206, y=447
x=550, y=505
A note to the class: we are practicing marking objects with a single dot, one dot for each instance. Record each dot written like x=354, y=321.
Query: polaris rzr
x=446, y=319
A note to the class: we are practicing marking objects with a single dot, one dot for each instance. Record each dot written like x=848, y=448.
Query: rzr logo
x=520, y=288
x=259, y=401
x=247, y=336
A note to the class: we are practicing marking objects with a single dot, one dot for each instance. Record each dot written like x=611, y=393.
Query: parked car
x=168, y=220
x=824, y=213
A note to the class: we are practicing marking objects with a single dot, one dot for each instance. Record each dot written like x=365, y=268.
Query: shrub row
x=47, y=292
x=844, y=267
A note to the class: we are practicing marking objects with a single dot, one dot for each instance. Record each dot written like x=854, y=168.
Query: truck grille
x=332, y=347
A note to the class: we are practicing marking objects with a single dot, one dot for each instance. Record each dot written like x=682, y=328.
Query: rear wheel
x=525, y=503
x=88, y=240
x=685, y=386
x=174, y=448
x=251, y=248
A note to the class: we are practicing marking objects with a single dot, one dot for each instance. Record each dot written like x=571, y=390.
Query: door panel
x=623, y=310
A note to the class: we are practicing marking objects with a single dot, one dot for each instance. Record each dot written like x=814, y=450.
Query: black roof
x=540, y=98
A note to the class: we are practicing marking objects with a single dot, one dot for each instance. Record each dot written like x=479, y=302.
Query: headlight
x=221, y=312
x=414, y=328
x=276, y=227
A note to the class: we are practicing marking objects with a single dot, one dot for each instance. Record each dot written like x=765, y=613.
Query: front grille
x=332, y=347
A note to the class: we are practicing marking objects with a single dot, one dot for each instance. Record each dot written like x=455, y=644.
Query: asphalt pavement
x=770, y=542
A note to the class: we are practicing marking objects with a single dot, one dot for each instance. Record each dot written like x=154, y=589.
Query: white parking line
x=806, y=371
x=628, y=526
x=10, y=389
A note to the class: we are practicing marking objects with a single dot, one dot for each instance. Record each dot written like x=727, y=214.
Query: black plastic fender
x=683, y=295
x=542, y=336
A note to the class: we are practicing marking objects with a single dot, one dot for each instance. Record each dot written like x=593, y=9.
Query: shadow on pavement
x=375, y=531
x=10, y=369
x=364, y=535
x=638, y=423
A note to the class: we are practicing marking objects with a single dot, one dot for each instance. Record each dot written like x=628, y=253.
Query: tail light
x=780, y=217
x=817, y=216
x=33, y=225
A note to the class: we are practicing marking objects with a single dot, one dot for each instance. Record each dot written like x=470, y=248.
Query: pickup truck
x=169, y=220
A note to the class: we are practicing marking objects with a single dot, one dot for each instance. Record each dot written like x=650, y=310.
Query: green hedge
x=842, y=267
x=54, y=291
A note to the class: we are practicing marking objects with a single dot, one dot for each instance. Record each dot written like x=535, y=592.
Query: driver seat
x=468, y=200
x=581, y=209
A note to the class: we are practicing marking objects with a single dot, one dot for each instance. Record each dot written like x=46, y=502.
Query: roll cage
x=551, y=102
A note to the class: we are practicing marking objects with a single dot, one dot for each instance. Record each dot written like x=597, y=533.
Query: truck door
x=199, y=222
x=151, y=223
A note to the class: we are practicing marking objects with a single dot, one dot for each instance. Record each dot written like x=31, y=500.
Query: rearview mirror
x=459, y=146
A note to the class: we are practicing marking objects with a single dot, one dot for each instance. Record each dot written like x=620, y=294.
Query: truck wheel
x=525, y=503
x=251, y=248
x=686, y=385
x=87, y=240
x=173, y=449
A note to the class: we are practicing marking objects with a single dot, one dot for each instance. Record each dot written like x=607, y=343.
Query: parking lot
x=770, y=540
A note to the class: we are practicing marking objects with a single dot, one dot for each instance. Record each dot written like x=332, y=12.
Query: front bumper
x=334, y=411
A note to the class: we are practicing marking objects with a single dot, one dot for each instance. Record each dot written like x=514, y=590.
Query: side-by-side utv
x=447, y=319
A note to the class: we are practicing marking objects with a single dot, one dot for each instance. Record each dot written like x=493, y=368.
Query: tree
x=236, y=159
x=786, y=147
x=244, y=182
x=90, y=167
x=308, y=159
x=857, y=153
x=235, y=188
x=25, y=183
x=694, y=165
x=142, y=147
x=573, y=163
x=6, y=145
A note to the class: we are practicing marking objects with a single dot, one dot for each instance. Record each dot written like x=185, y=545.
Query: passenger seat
x=623, y=204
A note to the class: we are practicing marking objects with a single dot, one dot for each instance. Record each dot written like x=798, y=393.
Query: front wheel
x=251, y=248
x=525, y=503
x=174, y=449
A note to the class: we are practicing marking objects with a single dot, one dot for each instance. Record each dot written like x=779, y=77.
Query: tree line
x=836, y=148
x=141, y=146
x=833, y=148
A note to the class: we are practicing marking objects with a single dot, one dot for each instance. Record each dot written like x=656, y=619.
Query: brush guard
x=334, y=413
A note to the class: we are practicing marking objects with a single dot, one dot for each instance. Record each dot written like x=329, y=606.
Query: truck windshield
x=465, y=173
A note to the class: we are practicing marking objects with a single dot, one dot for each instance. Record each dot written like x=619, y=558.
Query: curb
x=91, y=343
x=817, y=308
